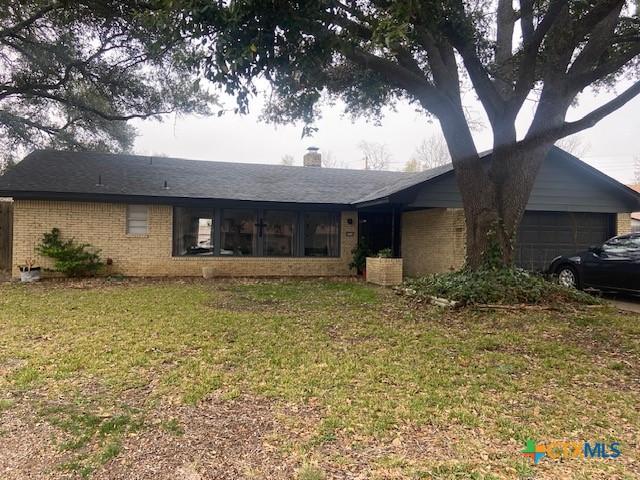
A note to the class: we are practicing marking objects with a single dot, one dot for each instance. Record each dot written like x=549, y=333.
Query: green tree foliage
x=372, y=53
x=73, y=73
x=70, y=258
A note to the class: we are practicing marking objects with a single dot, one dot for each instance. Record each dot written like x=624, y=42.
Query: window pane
x=321, y=234
x=238, y=232
x=192, y=232
x=279, y=232
x=137, y=219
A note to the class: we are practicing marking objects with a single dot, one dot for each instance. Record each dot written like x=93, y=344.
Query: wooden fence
x=6, y=224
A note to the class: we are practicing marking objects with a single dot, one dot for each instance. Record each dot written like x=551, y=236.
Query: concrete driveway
x=627, y=303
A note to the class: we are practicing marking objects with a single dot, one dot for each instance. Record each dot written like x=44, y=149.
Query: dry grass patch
x=306, y=379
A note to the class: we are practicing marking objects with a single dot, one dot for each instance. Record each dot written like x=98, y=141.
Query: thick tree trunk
x=494, y=191
x=494, y=206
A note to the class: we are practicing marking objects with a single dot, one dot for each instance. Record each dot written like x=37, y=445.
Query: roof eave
x=621, y=187
x=152, y=199
x=372, y=203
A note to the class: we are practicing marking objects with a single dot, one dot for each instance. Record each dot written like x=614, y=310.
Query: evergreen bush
x=70, y=258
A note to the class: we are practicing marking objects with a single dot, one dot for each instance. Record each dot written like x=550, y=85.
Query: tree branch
x=443, y=64
x=589, y=21
x=402, y=77
x=89, y=109
x=505, y=20
x=463, y=42
x=589, y=120
x=599, y=40
x=529, y=58
x=580, y=81
x=526, y=21
x=30, y=20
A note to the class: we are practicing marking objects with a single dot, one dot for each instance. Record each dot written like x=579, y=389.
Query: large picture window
x=255, y=232
x=238, y=232
x=193, y=232
x=321, y=234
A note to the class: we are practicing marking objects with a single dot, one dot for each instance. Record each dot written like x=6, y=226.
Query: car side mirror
x=597, y=249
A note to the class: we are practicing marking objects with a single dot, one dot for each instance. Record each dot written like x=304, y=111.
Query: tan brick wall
x=433, y=241
x=384, y=271
x=623, y=223
x=103, y=225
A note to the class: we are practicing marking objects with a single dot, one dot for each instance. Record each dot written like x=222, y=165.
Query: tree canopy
x=372, y=53
x=73, y=73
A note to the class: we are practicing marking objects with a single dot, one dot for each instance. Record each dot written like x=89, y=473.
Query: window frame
x=299, y=234
x=302, y=228
x=262, y=244
x=255, y=247
x=128, y=218
x=212, y=238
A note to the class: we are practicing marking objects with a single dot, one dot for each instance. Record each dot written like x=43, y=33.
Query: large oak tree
x=72, y=73
x=370, y=53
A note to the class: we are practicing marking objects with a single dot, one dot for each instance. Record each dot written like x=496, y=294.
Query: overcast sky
x=610, y=146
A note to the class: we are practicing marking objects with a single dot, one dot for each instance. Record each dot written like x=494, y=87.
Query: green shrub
x=493, y=286
x=385, y=253
x=71, y=258
x=360, y=254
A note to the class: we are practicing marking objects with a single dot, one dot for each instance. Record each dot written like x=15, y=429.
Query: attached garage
x=542, y=236
x=572, y=206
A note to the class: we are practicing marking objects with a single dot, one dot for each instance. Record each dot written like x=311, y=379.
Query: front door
x=380, y=230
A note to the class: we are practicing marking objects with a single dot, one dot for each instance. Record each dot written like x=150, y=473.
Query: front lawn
x=304, y=379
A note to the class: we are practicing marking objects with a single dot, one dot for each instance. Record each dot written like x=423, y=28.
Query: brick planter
x=384, y=271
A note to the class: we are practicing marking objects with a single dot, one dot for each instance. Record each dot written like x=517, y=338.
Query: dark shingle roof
x=50, y=171
x=60, y=174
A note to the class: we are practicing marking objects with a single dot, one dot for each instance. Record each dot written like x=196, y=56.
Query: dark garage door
x=542, y=236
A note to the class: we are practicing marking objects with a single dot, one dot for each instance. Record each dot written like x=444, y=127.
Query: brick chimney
x=312, y=158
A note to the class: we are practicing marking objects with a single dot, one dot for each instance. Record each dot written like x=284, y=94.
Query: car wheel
x=568, y=277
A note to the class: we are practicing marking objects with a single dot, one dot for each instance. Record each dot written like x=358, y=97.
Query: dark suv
x=614, y=265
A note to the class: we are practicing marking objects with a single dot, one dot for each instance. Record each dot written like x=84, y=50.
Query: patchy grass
x=308, y=472
x=173, y=426
x=354, y=378
x=93, y=436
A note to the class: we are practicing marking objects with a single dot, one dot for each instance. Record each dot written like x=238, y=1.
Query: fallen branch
x=500, y=306
x=443, y=302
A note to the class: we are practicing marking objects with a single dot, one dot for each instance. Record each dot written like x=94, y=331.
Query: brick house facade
x=103, y=225
x=91, y=197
